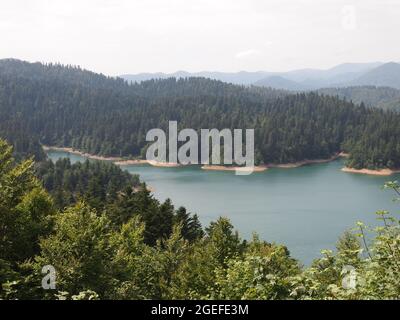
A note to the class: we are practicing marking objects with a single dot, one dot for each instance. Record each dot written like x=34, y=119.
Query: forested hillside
x=96, y=182
x=67, y=106
x=386, y=75
x=380, y=97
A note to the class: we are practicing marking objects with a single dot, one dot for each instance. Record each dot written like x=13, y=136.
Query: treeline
x=67, y=106
x=105, y=253
x=25, y=145
x=96, y=182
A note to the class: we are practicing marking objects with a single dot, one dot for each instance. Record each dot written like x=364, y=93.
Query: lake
x=305, y=208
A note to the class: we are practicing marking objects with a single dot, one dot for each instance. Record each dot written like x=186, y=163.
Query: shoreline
x=80, y=153
x=116, y=160
x=130, y=162
x=307, y=162
x=373, y=172
x=119, y=161
x=162, y=164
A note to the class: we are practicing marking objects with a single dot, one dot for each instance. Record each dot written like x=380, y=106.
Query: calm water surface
x=305, y=208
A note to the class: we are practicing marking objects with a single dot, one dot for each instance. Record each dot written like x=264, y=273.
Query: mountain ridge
x=386, y=75
x=343, y=75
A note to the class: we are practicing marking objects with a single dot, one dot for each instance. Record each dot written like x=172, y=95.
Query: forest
x=380, y=97
x=56, y=105
x=108, y=238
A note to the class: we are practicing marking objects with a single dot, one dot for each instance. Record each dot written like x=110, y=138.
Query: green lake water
x=305, y=208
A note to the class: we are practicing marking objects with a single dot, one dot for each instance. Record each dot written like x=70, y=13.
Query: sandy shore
x=130, y=162
x=125, y=162
x=150, y=162
x=226, y=168
x=279, y=165
x=116, y=160
x=306, y=162
x=163, y=164
x=380, y=172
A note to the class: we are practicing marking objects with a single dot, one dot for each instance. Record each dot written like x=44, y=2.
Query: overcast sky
x=131, y=36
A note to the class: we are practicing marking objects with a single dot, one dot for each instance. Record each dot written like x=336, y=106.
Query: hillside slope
x=380, y=97
x=112, y=120
x=387, y=75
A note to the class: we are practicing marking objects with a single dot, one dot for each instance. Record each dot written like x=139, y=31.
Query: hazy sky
x=130, y=36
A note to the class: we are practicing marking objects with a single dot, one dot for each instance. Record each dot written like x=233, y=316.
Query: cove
x=305, y=208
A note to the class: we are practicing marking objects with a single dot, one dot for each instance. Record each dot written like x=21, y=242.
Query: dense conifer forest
x=379, y=97
x=95, y=181
x=70, y=107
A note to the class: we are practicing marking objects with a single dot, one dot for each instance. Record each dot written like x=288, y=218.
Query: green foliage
x=99, y=183
x=25, y=216
x=79, y=250
x=159, y=218
x=83, y=295
x=25, y=208
x=264, y=272
x=223, y=241
x=191, y=227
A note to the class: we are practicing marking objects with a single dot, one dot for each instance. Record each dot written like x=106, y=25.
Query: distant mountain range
x=386, y=75
x=280, y=82
x=242, y=77
x=344, y=75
